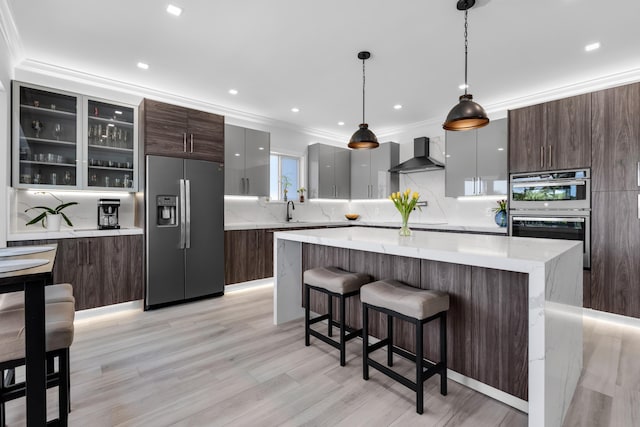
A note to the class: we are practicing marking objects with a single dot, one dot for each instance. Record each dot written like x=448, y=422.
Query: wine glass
x=57, y=131
x=37, y=125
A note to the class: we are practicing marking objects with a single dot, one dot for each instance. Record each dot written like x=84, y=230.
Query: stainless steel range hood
x=420, y=161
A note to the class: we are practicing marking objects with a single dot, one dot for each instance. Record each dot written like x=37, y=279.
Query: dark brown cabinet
x=616, y=139
x=170, y=130
x=551, y=136
x=244, y=255
x=102, y=270
x=615, y=249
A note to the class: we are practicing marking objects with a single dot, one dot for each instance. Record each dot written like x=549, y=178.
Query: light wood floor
x=222, y=362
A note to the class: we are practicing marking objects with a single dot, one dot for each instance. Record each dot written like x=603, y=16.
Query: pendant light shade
x=363, y=138
x=467, y=114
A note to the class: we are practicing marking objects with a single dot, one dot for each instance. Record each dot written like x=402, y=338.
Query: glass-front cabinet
x=66, y=140
x=111, y=146
x=45, y=133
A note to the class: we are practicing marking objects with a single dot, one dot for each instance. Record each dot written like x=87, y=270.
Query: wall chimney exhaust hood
x=420, y=161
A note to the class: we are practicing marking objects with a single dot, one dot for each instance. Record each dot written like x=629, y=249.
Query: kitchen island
x=515, y=329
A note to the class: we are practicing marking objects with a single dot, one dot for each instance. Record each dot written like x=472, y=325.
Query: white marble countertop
x=41, y=234
x=500, y=252
x=414, y=226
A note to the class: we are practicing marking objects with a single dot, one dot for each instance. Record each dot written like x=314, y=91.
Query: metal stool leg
x=307, y=315
x=330, y=311
x=343, y=323
x=443, y=353
x=419, y=369
x=63, y=387
x=365, y=342
x=2, y=408
x=390, y=338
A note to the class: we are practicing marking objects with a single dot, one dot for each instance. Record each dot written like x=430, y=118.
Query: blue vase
x=501, y=218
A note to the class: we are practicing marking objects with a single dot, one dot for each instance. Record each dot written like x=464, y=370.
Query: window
x=284, y=172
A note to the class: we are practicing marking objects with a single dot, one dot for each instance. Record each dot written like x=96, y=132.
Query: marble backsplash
x=430, y=185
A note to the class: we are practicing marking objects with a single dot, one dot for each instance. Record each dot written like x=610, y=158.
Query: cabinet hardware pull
x=638, y=174
x=242, y=184
x=541, y=156
x=550, y=153
x=184, y=142
x=192, y=143
x=479, y=185
x=88, y=252
x=638, y=206
x=248, y=186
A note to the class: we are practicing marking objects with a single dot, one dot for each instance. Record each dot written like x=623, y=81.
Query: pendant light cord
x=363, y=91
x=466, y=49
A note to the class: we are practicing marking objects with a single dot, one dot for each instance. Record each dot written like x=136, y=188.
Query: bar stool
x=62, y=292
x=59, y=337
x=338, y=283
x=417, y=306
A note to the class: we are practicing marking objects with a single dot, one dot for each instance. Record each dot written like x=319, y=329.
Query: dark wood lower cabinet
x=244, y=255
x=487, y=323
x=615, y=251
x=102, y=270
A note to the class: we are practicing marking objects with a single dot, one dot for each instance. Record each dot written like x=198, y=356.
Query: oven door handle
x=547, y=183
x=547, y=219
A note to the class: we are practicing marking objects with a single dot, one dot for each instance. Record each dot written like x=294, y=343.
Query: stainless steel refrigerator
x=184, y=204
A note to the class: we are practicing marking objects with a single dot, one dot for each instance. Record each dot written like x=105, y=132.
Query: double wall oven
x=552, y=205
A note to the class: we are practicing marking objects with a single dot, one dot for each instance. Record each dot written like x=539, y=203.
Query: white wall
x=6, y=74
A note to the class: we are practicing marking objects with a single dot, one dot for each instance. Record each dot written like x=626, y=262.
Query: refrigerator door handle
x=188, y=214
x=183, y=208
x=192, y=143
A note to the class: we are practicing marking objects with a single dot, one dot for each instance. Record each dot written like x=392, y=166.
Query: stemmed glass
x=37, y=125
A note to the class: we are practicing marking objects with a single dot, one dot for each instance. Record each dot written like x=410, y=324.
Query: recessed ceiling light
x=118, y=112
x=500, y=149
x=143, y=66
x=340, y=123
x=233, y=91
x=260, y=148
x=295, y=109
x=237, y=154
x=397, y=107
x=592, y=46
x=174, y=10
x=463, y=86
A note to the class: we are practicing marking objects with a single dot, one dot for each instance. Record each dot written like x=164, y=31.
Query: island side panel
x=287, y=291
x=563, y=333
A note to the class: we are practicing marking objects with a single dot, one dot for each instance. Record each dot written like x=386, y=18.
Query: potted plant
x=285, y=186
x=53, y=216
x=301, y=191
x=501, y=213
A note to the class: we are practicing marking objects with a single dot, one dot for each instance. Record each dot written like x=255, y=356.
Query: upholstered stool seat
x=62, y=292
x=414, y=305
x=338, y=283
x=59, y=330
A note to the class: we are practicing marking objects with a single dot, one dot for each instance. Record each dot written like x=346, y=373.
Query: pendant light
x=363, y=138
x=467, y=114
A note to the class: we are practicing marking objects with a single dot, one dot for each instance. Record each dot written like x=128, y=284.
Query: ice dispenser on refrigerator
x=166, y=211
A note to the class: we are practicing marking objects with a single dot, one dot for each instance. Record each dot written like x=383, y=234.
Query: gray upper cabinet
x=246, y=161
x=477, y=161
x=370, y=176
x=329, y=175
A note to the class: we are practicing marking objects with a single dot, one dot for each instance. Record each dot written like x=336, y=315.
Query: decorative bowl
x=351, y=216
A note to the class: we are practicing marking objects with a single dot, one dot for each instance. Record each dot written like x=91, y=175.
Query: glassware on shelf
x=53, y=178
x=37, y=126
x=57, y=131
x=66, y=180
x=127, y=181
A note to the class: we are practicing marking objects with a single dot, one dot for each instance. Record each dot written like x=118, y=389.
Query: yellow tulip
x=406, y=192
x=416, y=195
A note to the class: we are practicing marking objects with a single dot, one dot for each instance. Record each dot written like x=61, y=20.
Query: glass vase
x=405, y=231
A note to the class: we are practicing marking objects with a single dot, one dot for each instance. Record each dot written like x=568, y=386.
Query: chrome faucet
x=289, y=216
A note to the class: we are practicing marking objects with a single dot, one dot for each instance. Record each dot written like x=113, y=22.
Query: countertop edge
x=71, y=234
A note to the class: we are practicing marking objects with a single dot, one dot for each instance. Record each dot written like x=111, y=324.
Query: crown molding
x=9, y=32
x=51, y=70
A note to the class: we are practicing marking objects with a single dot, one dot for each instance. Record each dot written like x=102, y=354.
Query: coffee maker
x=108, y=214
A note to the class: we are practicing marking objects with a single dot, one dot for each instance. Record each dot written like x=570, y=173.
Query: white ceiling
x=284, y=53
